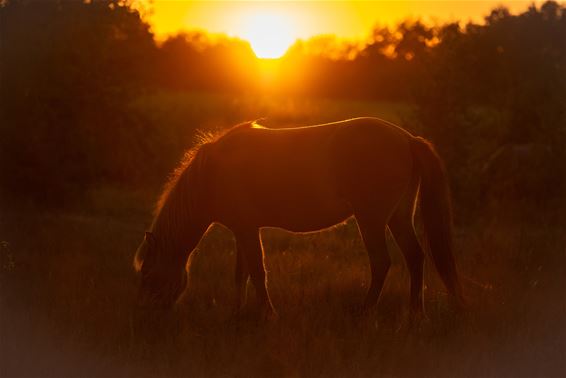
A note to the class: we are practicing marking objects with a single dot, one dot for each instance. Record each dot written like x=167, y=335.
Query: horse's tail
x=436, y=212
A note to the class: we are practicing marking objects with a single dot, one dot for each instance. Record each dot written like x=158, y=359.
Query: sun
x=270, y=33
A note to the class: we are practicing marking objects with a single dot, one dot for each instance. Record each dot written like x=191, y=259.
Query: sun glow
x=272, y=26
x=270, y=34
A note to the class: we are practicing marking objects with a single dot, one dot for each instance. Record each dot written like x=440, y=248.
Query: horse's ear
x=138, y=260
x=149, y=238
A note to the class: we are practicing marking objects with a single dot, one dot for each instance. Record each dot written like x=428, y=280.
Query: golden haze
x=272, y=26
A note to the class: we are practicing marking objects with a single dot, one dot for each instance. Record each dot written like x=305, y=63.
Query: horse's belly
x=293, y=210
x=299, y=216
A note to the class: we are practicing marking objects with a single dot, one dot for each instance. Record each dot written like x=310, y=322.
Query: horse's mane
x=203, y=138
x=179, y=188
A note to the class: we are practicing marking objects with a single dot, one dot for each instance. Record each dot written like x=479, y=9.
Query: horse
x=302, y=179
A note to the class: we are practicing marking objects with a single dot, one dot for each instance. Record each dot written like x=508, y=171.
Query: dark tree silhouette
x=72, y=73
x=68, y=71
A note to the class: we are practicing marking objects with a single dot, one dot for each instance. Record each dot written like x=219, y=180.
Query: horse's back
x=372, y=160
x=312, y=153
x=336, y=137
x=309, y=175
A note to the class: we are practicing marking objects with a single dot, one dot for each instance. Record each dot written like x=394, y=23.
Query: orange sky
x=278, y=23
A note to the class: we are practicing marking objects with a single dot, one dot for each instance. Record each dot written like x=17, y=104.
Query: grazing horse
x=302, y=179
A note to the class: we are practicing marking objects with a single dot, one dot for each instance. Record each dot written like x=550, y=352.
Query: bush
x=69, y=71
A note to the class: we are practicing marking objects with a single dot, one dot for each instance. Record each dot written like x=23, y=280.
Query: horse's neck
x=179, y=221
x=170, y=228
x=179, y=224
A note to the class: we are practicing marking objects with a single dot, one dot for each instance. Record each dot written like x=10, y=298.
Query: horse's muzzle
x=153, y=319
x=150, y=325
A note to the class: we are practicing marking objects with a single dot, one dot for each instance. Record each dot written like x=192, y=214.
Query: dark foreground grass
x=67, y=288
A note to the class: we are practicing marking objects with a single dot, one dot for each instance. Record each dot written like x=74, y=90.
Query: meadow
x=67, y=285
x=95, y=112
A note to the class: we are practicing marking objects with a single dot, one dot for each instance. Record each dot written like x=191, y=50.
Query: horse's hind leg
x=402, y=228
x=372, y=231
x=404, y=234
x=249, y=246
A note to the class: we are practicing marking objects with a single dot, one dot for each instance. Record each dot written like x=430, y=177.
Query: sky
x=271, y=26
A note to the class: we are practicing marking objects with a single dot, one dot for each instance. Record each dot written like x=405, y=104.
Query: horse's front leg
x=250, y=248
x=242, y=276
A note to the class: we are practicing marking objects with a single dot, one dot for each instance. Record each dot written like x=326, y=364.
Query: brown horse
x=302, y=179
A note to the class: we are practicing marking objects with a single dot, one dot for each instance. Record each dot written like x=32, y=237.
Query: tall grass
x=66, y=304
x=67, y=285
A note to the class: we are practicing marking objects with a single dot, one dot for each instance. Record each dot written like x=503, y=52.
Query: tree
x=68, y=71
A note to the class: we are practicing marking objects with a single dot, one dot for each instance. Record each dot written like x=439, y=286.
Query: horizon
x=299, y=20
x=329, y=251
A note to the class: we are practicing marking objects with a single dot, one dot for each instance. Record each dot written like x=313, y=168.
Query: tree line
x=70, y=72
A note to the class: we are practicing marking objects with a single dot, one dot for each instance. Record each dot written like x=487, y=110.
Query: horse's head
x=163, y=275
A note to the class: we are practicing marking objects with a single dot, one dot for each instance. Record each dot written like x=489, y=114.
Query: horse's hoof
x=272, y=316
x=460, y=304
x=418, y=320
x=238, y=313
x=268, y=315
x=414, y=322
x=359, y=311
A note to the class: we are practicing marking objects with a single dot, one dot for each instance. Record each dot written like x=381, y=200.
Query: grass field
x=67, y=288
x=181, y=113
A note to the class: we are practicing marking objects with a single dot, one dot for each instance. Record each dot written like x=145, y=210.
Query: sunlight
x=264, y=19
x=270, y=34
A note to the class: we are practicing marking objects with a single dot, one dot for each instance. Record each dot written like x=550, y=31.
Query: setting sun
x=272, y=26
x=270, y=34
x=294, y=188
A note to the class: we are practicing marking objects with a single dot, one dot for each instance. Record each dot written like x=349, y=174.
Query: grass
x=67, y=287
x=196, y=110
